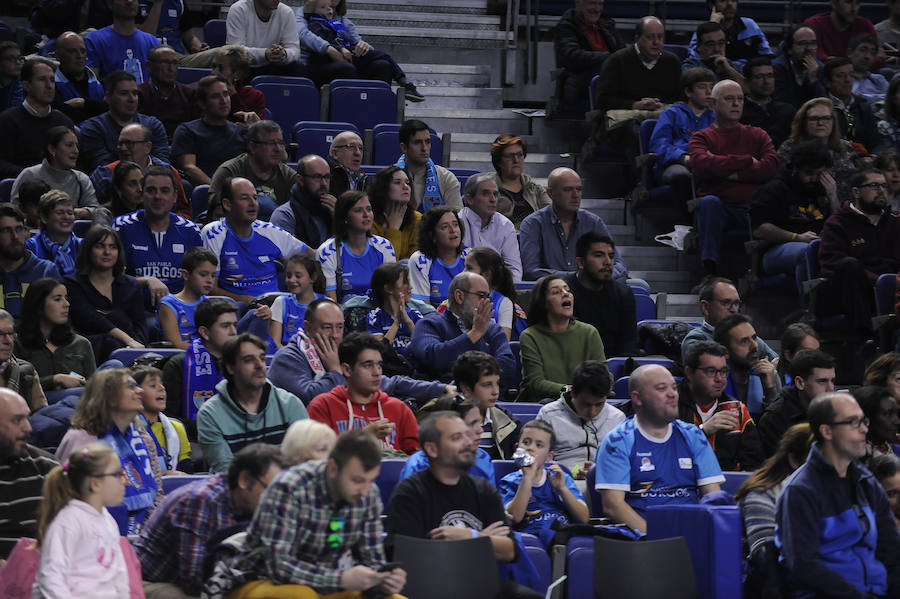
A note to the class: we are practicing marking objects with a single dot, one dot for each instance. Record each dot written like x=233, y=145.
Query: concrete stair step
x=443, y=96
x=641, y=257
x=456, y=7
x=668, y=281
x=611, y=211
x=683, y=306
x=470, y=120
x=481, y=142
x=459, y=76
x=424, y=36
x=421, y=20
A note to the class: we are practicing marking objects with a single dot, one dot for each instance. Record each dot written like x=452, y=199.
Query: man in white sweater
x=268, y=30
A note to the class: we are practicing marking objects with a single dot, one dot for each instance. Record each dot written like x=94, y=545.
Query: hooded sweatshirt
x=335, y=407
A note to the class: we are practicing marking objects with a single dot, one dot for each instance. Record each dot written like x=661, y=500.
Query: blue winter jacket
x=673, y=131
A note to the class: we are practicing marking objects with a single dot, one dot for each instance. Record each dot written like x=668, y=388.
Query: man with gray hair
x=263, y=165
x=17, y=374
x=439, y=338
x=653, y=458
x=484, y=226
x=730, y=161
x=308, y=214
x=833, y=522
x=23, y=468
x=345, y=160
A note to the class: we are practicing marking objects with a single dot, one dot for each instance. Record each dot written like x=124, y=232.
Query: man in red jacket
x=361, y=403
x=730, y=161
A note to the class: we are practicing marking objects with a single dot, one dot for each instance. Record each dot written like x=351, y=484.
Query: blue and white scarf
x=137, y=470
x=61, y=254
x=432, y=194
x=200, y=378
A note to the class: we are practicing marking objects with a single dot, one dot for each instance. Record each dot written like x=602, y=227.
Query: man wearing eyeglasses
x=812, y=374
x=718, y=299
x=709, y=53
x=263, y=165
x=309, y=212
x=345, y=158
x=18, y=265
x=860, y=242
x=11, y=61
x=163, y=96
x=724, y=420
x=833, y=522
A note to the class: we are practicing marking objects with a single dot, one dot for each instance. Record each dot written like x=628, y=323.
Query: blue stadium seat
x=502, y=468
x=678, y=50
x=592, y=91
x=372, y=169
x=188, y=75
x=214, y=33
x=620, y=388
x=463, y=174
x=885, y=294
x=388, y=477
x=81, y=227
x=541, y=560
x=282, y=79
x=522, y=411
x=127, y=355
x=289, y=103
x=199, y=200
x=733, y=480
x=595, y=499
x=172, y=482
x=644, y=307
x=615, y=365
x=363, y=104
x=516, y=348
x=386, y=143
x=6, y=189
x=315, y=137
x=580, y=567
x=657, y=568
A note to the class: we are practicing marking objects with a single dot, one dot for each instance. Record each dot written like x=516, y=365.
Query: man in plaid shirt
x=172, y=545
x=317, y=529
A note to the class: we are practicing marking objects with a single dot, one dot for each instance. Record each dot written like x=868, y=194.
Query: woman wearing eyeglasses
x=816, y=120
x=107, y=411
x=555, y=343
x=520, y=195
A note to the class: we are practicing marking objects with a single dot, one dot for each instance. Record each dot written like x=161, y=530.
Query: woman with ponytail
x=78, y=538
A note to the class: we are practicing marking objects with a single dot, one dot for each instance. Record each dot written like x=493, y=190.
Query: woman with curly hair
x=440, y=257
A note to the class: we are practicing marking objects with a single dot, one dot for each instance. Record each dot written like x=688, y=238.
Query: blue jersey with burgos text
x=379, y=321
x=545, y=505
x=247, y=264
x=356, y=269
x=151, y=254
x=430, y=278
x=656, y=471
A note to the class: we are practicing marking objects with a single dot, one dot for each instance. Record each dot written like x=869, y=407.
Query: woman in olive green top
x=555, y=343
x=45, y=338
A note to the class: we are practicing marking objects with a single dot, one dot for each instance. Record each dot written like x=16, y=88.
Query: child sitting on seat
x=176, y=311
x=305, y=282
x=541, y=492
x=319, y=15
x=168, y=433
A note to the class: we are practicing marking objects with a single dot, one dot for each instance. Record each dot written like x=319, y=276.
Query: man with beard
x=730, y=161
x=709, y=53
x=600, y=300
x=860, y=241
x=753, y=379
x=797, y=69
x=788, y=212
x=444, y=502
x=23, y=468
x=440, y=338
x=723, y=419
x=18, y=266
x=309, y=212
x=432, y=184
x=653, y=458
x=835, y=29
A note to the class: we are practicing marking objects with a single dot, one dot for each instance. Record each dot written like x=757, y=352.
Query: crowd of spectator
x=326, y=319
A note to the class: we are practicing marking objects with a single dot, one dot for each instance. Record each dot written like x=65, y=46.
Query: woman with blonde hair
x=107, y=412
x=307, y=440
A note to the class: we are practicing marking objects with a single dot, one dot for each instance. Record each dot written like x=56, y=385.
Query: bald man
x=653, y=458
x=345, y=159
x=23, y=468
x=79, y=94
x=308, y=214
x=547, y=237
x=729, y=161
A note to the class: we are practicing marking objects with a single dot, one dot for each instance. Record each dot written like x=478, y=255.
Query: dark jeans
x=849, y=292
x=374, y=64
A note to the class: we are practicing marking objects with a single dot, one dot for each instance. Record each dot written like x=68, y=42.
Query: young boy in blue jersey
x=176, y=311
x=477, y=376
x=537, y=495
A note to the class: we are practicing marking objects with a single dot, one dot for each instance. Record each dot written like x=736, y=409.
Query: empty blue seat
x=595, y=499
x=620, y=388
x=199, y=200
x=81, y=227
x=502, y=468
x=172, y=482
x=6, y=189
x=580, y=567
x=388, y=477
x=885, y=294
x=290, y=103
x=523, y=412
x=463, y=175
x=386, y=144
x=214, y=33
x=733, y=480
x=644, y=307
x=188, y=75
x=315, y=137
x=282, y=79
x=364, y=106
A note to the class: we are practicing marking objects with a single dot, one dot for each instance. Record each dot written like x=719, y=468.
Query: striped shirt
x=299, y=534
x=21, y=487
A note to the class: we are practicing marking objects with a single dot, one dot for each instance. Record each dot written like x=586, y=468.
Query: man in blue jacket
x=833, y=522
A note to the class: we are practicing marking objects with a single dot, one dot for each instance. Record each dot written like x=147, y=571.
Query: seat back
x=199, y=200
x=214, y=33
x=188, y=75
x=596, y=499
x=6, y=189
x=448, y=569
x=579, y=565
x=282, y=79
x=620, y=388
x=388, y=477
x=645, y=132
x=615, y=365
x=621, y=569
x=885, y=294
x=463, y=174
x=171, y=482
x=592, y=91
x=363, y=105
x=644, y=307
x=81, y=227
x=521, y=411
x=386, y=144
x=502, y=468
x=315, y=137
x=733, y=480
x=127, y=355
x=289, y=103
x=680, y=51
